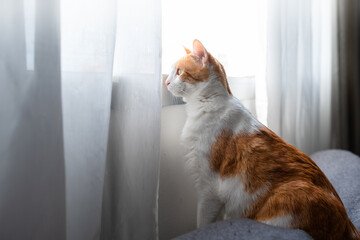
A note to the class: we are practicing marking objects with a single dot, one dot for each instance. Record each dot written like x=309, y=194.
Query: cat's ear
x=188, y=51
x=200, y=51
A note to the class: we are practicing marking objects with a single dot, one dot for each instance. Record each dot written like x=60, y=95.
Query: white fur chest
x=197, y=137
x=205, y=121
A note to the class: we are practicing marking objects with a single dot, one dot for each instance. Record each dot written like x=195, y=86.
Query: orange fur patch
x=194, y=71
x=297, y=185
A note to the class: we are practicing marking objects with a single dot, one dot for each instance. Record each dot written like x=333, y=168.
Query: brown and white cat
x=241, y=168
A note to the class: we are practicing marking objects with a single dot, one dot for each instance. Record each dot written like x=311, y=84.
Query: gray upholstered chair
x=343, y=170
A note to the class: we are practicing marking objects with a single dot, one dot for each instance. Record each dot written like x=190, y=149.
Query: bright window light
x=229, y=29
x=29, y=18
x=84, y=48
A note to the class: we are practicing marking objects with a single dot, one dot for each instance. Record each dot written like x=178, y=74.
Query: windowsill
x=243, y=88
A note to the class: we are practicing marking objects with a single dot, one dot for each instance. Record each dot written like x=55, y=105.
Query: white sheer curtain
x=301, y=43
x=88, y=30
x=132, y=170
x=56, y=77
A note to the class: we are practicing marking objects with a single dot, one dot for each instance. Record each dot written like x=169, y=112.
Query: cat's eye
x=179, y=71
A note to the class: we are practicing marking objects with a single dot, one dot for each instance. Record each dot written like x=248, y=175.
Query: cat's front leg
x=208, y=210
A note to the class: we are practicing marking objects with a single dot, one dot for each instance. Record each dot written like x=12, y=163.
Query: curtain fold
x=313, y=73
x=346, y=93
x=88, y=31
x=57, y=100
x=55, y=89
x=132, y=169
x=299, y=71
x=32, y=171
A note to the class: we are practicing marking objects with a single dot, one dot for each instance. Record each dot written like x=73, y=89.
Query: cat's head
x=197, y=72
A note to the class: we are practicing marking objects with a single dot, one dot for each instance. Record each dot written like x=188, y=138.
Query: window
x=232, y=30
x=29, y=23
x=228, y=29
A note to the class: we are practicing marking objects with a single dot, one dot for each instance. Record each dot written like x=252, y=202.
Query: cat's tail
x=351, y=232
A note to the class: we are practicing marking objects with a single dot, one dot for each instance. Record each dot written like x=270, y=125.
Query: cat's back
x=294, y=192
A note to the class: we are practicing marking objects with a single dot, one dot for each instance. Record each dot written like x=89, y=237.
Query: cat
x=243, y=169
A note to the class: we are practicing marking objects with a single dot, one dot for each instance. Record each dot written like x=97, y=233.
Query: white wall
x=177, y=199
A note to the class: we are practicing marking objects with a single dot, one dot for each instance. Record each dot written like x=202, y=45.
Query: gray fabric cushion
x=243, y=229
x=343, y=170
